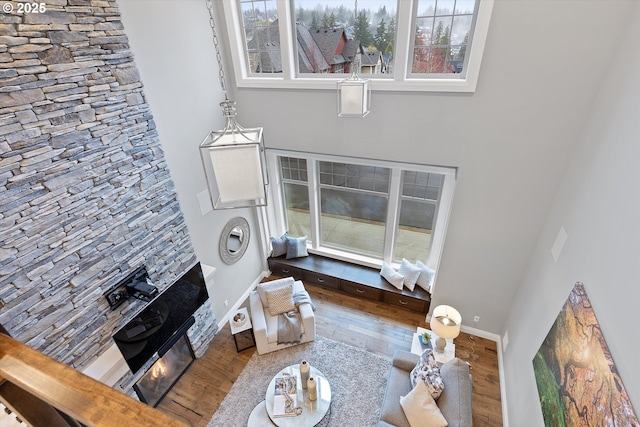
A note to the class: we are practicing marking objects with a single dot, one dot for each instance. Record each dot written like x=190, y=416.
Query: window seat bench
x=353, y=279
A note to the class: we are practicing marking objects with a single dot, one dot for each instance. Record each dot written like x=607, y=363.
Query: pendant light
x=233, y=158
x=354, y=92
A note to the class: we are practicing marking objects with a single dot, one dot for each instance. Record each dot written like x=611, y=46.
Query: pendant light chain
x=356, y=59
x=216, y=44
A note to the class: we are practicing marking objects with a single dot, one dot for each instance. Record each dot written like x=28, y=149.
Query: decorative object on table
x=239, y=319
x=242, y=329
x=574, y=369
x=285, y=397
x=312, y=388
x=445, y=322
x=304, y=373
x=233, y=158
x=425, y=340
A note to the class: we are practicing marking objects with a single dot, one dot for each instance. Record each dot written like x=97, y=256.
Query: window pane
x=262, y=35
x=353, y=203
x=440, y=44
x=420, y=197
x=358, y=177
x=329, y=37
x=296, y=199
x=353, y=221
x=296, y=195
x=413, y=237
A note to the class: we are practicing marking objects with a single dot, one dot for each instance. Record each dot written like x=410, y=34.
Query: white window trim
x=277, y=216
x=400, y=80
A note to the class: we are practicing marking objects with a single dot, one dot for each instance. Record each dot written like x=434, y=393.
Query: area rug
x=357, y=378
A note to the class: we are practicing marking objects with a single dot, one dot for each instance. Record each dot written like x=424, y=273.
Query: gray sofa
x=454, y=402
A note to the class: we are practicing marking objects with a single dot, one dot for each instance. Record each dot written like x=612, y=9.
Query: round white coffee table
x=259, y=417
x=313, y=411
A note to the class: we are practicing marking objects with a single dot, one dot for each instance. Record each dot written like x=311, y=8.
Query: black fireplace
x=174, y=359
x=157, y=334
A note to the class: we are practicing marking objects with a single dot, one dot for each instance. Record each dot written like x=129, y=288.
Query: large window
x=400, y=44
x=353, y=207
x=362, y=210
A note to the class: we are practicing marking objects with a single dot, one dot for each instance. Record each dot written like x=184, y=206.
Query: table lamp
x=445, y=323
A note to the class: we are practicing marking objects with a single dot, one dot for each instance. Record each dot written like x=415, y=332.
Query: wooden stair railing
x=44, y=392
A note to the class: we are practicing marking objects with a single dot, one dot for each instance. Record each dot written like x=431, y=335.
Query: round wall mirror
x=234, y=240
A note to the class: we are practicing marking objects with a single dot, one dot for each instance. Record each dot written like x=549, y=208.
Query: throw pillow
x=427, y=371
x=425, y=280
x=420, y=408
x=296, y=247
x=274, y=284
x=410, y=273
x=279, y=245
x=391, y=275
x=280, y=300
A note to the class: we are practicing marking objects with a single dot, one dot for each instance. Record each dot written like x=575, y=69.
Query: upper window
x=441, y=36
x=362, y=210
x=399, y=44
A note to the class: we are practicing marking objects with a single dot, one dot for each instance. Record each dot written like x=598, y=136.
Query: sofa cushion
x=427, y=371
x=455, y=401
x=280, y=300
x=420, y=408
x=410, y=273
x=398, y=384
x=392, y=276
x=263, y=287
x=405, y=360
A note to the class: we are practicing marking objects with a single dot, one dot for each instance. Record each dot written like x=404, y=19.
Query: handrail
x=71, y=392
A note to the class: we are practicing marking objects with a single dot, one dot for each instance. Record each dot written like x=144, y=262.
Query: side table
x=449, y=350
x=241, y=330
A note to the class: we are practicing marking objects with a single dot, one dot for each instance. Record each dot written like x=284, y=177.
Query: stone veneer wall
x=86, y=193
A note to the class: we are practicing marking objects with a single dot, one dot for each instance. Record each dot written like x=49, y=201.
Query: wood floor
x=376, y=327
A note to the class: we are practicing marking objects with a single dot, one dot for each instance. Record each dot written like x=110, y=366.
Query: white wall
x=598, y=204
x=173, y=48
x=510, y=140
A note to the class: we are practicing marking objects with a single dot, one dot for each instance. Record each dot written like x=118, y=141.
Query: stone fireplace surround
x=87, y=195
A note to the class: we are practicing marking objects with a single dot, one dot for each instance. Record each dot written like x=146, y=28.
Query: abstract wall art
x=578, y=382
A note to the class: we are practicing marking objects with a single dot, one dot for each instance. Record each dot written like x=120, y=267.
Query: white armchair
x=265, y=325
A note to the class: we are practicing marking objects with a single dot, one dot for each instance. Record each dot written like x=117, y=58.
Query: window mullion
x=314, y=201
x=442, y=216
x=276, y=209
x=287, y=40
x=404, y=29
x=393, y=210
